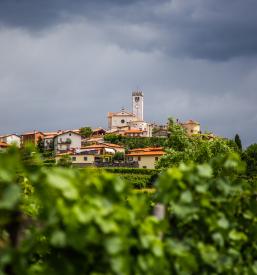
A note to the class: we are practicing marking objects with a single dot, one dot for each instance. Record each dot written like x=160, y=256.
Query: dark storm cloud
x=66, y=63
x=208, y=29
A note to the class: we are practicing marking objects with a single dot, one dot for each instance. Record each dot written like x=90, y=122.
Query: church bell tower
x=138, y=105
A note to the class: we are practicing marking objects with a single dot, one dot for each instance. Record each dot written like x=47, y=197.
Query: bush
x=136, y=177
x=211, y=219
x=139, y=142
x=82, y=223
x=72, y=221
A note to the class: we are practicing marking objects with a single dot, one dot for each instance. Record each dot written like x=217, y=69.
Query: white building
x=138, y=105
x=67, y=141
x=125, y=121
x=120, y=119
x=11, y=139
x=142, y=126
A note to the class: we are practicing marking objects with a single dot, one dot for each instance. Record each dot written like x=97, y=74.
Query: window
x=130, y=158
x=85, y=158
x=73, y=158
x=139, y=158
x=122, y=121
x=144, y=167
x=156, y=158
x=70, y=134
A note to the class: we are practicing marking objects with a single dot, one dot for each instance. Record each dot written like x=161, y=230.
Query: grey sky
x=65, y=64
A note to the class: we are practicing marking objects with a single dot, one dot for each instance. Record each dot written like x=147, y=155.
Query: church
x=130, y=123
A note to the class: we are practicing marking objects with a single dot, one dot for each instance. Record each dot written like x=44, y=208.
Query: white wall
x=75, y=141
x=12, y=139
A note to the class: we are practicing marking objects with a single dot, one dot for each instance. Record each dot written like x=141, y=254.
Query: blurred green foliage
x=55, y=220
x=250, y=157
x=136, y=177
x=68, y=221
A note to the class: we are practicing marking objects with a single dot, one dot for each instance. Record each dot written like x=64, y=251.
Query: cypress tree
x=238, y=142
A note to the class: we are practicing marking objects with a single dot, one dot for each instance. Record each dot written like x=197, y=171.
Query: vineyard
x=76, y=221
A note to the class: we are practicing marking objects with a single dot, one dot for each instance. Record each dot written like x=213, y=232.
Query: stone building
x=192, y=127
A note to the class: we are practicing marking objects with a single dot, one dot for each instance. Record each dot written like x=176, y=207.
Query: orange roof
x=68, y=131
x=75, y=130
x=102, y=145
x=3, y=144
x=49, y=136
x=32, y=133
x=120, y=113
x=8, y=135
x=113, y=145
x=94, y=146
x=52, y=133
x=150, y=153
x=146, y=149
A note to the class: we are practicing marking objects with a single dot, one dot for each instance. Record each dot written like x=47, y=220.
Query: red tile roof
x=4, y=145
x=150, y=153
x=146, y=149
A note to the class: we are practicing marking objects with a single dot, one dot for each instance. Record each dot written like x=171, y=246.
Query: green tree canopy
x=238, y=142
x=85, y=131
x=182, y=148
x=250, y=157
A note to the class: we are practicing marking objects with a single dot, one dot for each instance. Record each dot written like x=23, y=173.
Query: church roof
x=120, y=113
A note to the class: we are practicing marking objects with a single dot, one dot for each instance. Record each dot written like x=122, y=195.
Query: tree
x=250, y=157
x=85, y=132
x=65, y=161
x=238, y=142
x=182, y=148
x=119, y=156
x=40, y=145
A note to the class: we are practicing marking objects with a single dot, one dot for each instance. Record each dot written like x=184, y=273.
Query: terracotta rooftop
x=146, y=149
x=150, y=153
x=68, y=131
x=3, y=144
x=3, y=136
x=32, y=133
x=133, y=131
x=102, y=145
x=120, y=113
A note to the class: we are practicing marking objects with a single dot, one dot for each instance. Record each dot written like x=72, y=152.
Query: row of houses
x=102, y=155
x=99, y=153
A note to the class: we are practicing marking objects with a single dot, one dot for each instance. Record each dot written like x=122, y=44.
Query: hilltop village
x=88, y=147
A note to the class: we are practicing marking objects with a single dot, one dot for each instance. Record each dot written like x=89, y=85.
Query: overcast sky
x=66, y=63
